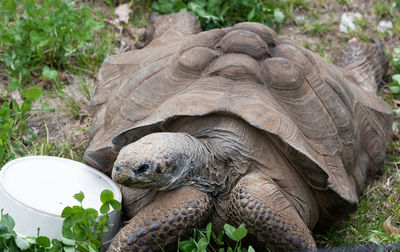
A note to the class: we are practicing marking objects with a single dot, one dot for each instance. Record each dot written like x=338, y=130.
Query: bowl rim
x=117, y=192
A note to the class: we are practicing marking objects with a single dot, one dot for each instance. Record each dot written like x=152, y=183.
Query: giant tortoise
x=237, y=125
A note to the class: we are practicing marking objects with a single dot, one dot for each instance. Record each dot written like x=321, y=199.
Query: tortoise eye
x=142, y=168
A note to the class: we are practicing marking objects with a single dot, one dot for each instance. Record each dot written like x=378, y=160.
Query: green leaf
x=92, y=213
x=394, y=89
x=202, y=244
x=7, y=221
x=208, y=231
x=49, y=74
x=38, y=40
x=67, y=223
x=79, y=196
x=279, y=17
x=115, y=204
x=91, y=23
x=396, y=78
x=69, y=249
x=67, y=233
x=56, y=243
x=77, y=210
x=106, y=229
x=26, y=106
x=229, y=230
x=198, y=234
x=43, y=241
x=105, y=208
x=68, y=242
x=53, y=249
x=92, y=249
x=187, y=246
x=250, y=249
x=396, y=56
x=103, y=220
x=374, y=240
x=10, y=6
x=106, y=196
x=198, y=10
x=32, y=93
x=80, y=232
x=218, y=239
x=21, y=243
x=95, y=244
x=251, y=14
x=239, y=233
x=13, y=84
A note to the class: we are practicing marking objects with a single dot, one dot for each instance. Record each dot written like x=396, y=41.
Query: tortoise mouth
x=136, y=182
x=140, y=184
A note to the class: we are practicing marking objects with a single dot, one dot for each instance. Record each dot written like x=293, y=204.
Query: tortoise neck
x=226, y=146
x=200, y=162
x=208, y=168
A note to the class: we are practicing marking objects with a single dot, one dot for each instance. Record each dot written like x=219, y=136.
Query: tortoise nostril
x=142, y=168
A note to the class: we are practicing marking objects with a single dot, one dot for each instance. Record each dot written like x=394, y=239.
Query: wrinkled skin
x=237, y=125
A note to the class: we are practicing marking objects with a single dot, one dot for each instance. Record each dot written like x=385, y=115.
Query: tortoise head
x=157, y=161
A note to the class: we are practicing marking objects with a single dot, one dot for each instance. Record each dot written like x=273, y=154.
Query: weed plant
x=38, y=41
x=394, y=86
x=15, y=136
x=207, y=240
x=42, y=36
x=82, y=229
x=223, y=13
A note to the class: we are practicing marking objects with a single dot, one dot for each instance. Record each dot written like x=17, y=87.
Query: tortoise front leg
x=272, y=221
x=172, y=216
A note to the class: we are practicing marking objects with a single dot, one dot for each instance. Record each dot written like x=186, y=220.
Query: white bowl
x=34, y=190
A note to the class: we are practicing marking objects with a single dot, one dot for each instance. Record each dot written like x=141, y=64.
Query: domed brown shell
x=338, y=130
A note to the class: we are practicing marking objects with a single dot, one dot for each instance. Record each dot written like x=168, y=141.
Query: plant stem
x=236, y=246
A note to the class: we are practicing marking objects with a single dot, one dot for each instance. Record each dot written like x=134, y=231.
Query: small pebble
x=384, y=26
x=347, y=21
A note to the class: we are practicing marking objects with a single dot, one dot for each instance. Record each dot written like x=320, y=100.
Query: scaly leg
x=172, y=216
x=272, y=221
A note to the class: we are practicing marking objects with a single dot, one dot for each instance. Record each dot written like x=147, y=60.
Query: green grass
x=318, y=29
x=50, y=33
x=383, y=8
x=40, y=41
x=377, y=219
x=142, y=12
x=219, y=13
x=290, y=5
